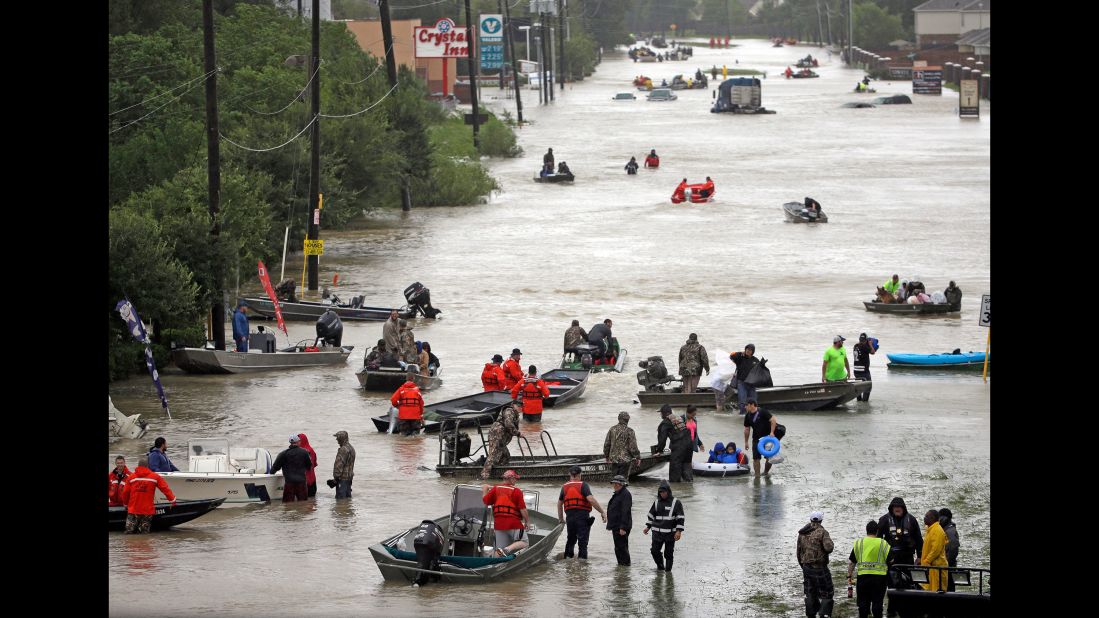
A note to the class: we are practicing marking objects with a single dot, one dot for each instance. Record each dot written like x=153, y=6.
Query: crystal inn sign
x=443, y=40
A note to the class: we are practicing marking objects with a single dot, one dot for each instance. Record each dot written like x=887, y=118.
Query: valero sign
x=443, y=40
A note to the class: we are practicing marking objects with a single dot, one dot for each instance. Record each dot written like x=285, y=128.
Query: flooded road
x=907, y=191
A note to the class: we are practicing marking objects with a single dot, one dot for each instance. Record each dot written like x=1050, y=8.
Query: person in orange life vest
x=679, y=194
x=577, y=502
x=789, y=72
x=513, y=372
x=138, y=494
x=492, y=377
x=116, y=480
x=652, y=160
x=707, y=188
x=410, y=406
x=508, y=506
x=534, y=390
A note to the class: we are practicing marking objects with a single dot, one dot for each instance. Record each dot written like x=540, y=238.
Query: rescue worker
x=407, y=345
x=666, y=521
x=620, y=518
x=391, y=332
x=574, y=336
x=788, y=72
x=429, y=545
x=894, y=285
x=654, y=161
x=672, y=429
x=410, y=406
x=707, y=188
x=620, y=446
x=240, y=326
x=744, y=362
x=294, y=463
x=631, y=167
x=513, y=373
x=509, y=514
x=343, y=469
x=692, y=360
x=680, y=193
x=547, y=160
x=862, y=350
x=600, y=335
x=492, y=376
x=116, y=481
x=814, y=545
x=869, y=562
x=138, y=494
x=534, y=390
x=934, y=552
x=577, y=501
x=500, y=434
x=901, y=530
x=953, y=295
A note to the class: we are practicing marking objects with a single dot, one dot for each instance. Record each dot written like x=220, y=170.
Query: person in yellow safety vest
x=870, y=559
x=934, y=553
x=892, y=285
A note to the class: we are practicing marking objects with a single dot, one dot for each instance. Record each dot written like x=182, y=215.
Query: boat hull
x=719, y=470
x=960, y=362
x=555, y=178
x=488, y=403
x=310, y=311
x=235, y=489
x=390, y=381
x=555, y=467
x=907, y=309
x=796, y=398
x=571, y=361
x=795, y=213
x=166, y=515
x=197, y=360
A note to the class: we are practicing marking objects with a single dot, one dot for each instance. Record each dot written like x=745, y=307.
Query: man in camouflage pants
x=620, y=447
x=503, y=430
x=408, y=351
x=692, y=360
x=814, y=545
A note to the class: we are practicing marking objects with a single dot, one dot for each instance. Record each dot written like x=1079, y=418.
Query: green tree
x=875, y=28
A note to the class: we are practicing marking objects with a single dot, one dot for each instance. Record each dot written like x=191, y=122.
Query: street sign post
x=985, y=319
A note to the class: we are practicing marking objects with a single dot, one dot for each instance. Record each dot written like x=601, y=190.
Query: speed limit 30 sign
x=986, y=311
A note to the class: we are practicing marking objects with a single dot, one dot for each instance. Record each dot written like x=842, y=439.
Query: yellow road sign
x=314, y=247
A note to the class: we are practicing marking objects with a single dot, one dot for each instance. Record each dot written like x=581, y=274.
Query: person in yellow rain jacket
x=934, y=552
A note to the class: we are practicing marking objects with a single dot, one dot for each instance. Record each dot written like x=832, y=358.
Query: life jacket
x=534, y=391
x=652, y=161
x=115, y=486
x=573, y=498
x=409, y=402
x=492, y=377
x=139, y=491
x=513, y=374
x=506, y=504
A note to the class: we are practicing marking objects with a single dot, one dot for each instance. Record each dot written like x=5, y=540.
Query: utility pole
x=471, y=34
x=391, y=71
x=541, y=69
x=547, y=65
x=514, y=63
x=313, y=260
x=561, y=41
x=850, y=33
x=213, y=162
x=299, y=9
x=820, y=26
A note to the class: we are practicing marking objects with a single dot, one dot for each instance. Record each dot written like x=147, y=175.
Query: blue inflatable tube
x=768, y=446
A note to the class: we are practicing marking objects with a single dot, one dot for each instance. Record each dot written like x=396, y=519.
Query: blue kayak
x=965, y=359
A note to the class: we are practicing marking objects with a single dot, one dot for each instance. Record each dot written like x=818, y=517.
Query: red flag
x=266, y=281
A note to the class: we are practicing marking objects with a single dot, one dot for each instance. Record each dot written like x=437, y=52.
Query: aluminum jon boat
x=486, y=405
x=907, y=309
x=796, y=398
x=469, y=538
x=166, y=515
x=201, y=360
x=389, y=379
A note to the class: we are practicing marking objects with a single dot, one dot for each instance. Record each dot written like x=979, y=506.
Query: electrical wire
x=161, y=94
x=292, y=101
x=363, y=111
x=161, y=107
x=222, y=135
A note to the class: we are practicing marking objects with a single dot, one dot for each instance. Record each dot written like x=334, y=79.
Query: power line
x=371, y=73
x=300, y=133
x=162, y=106
x=292, y=101
x=159, y=95
x=364, y=110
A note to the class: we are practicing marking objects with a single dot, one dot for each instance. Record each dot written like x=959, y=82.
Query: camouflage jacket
x=621, y=444
x=408, y=347
x=814, y=545
x=692, y=359
x=504, y=429
x=575, y=336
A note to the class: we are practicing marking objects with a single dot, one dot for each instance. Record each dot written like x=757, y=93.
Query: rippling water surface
x=907, y=191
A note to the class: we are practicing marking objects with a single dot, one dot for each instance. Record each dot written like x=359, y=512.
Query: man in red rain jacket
x=139, y=493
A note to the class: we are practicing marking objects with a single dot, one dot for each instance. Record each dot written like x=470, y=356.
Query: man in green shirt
x=835, y=367
x=892, y=285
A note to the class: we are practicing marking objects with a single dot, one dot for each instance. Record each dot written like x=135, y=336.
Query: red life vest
x=573, y=498
x=534, y=391
x=115, y=485
x=409, y=402
x=651, y=161
x=513, y=373
x=506, y=502
x=492, y=377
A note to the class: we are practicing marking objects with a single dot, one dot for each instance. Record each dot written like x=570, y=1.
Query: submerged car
x=662, y=94
x=894, y=99
x=624, y=96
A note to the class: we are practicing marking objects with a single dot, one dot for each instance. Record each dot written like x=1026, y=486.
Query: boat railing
x=543, y=435
x=527, y=455
x=960, y=576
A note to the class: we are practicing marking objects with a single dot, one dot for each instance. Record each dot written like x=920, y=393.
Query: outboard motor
x=654, y=374
x=330, y=329
x=586, y=353
x=419, y=298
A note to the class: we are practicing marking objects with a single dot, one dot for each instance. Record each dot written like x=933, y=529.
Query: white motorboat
x=122, y=426
x=214, y=470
